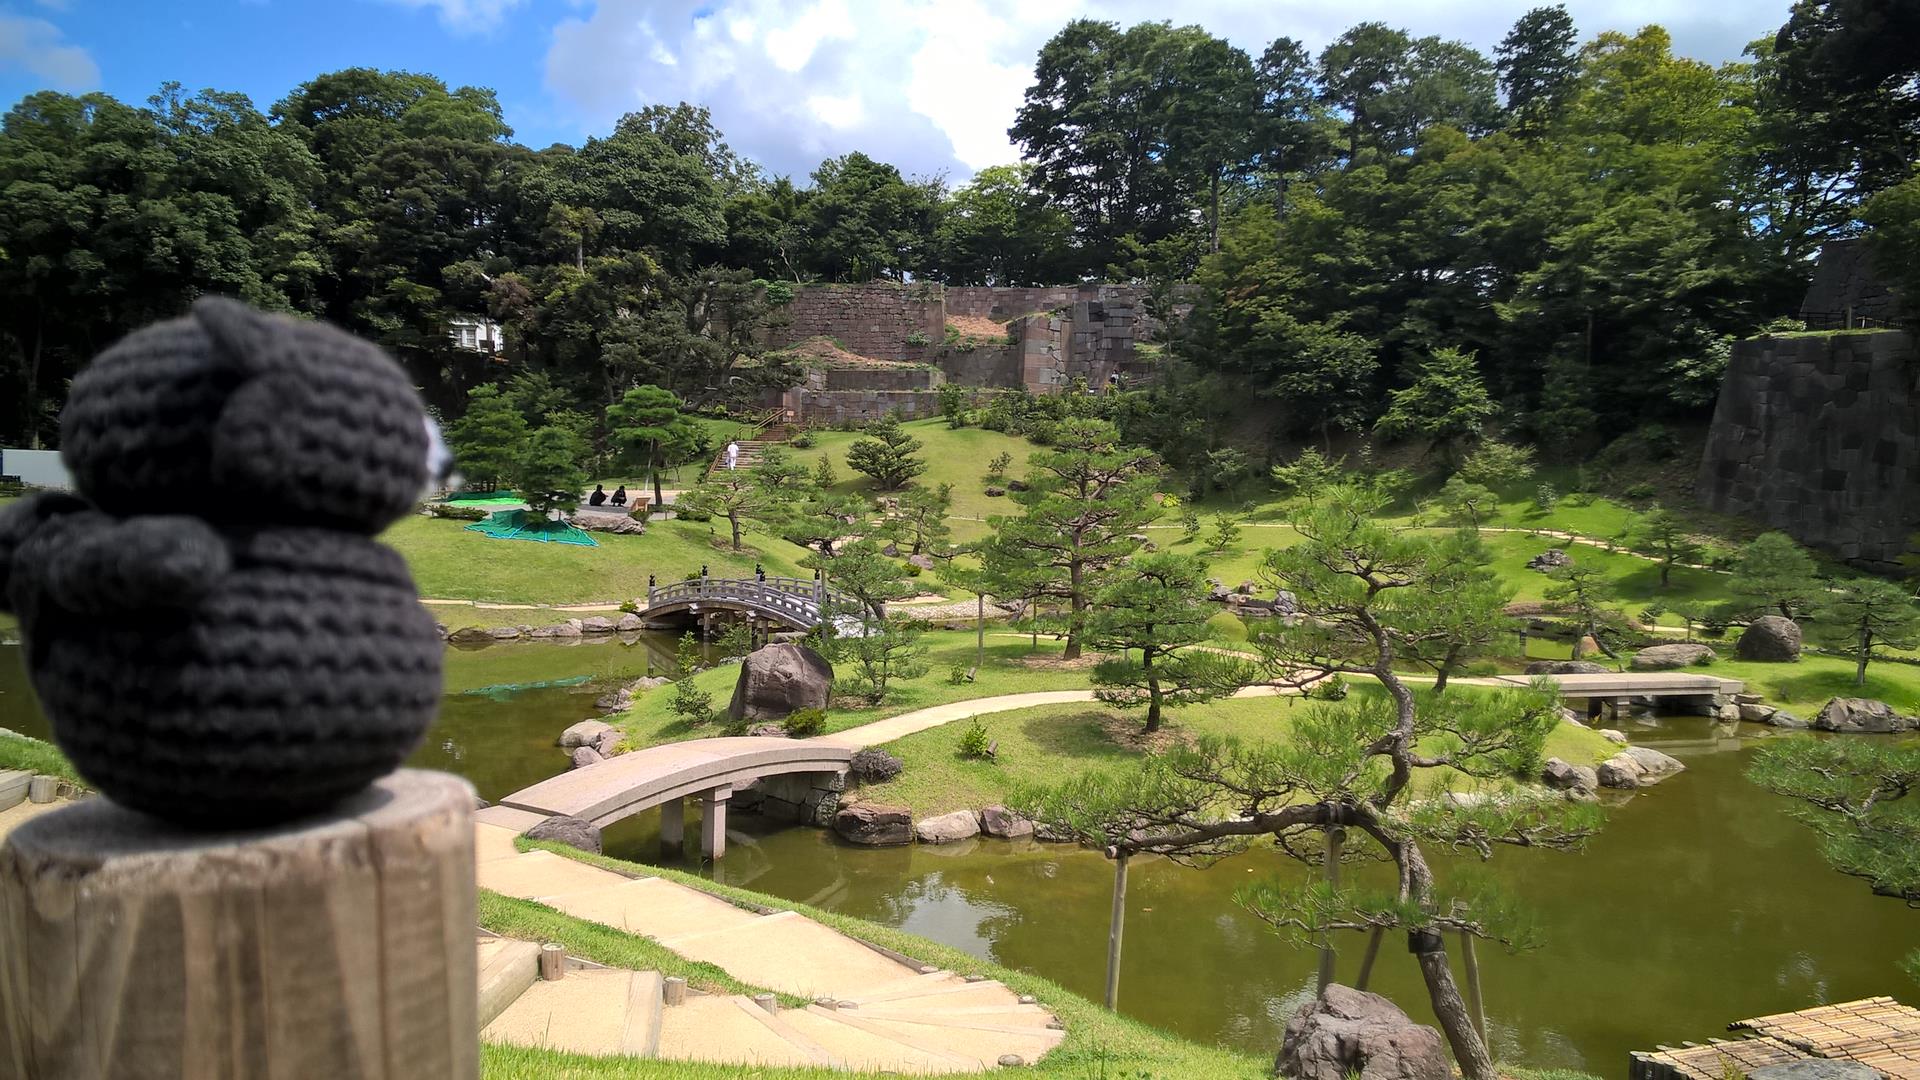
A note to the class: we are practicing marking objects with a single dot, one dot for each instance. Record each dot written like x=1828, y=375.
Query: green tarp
x=526, y=525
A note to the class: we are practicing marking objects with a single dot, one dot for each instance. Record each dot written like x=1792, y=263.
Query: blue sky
x=930, y=85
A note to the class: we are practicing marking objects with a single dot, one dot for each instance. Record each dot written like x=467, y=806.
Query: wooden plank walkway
x=1877, y=1031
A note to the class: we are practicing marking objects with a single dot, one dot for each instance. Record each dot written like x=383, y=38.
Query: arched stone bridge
x=665, y=775
x=795, y=603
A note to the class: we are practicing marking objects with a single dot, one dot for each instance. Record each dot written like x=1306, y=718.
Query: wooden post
x=673, y=990
x=42, y=789
x=980, y=633
x=340, y=945
x=767, y=1002
x=1366, y=960
x=1336, y=837
x=553, y=962
x=1471, y=961
x=713, y=822
x=1115, y=924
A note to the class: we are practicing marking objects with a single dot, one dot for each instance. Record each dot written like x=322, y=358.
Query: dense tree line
x=1589, y=223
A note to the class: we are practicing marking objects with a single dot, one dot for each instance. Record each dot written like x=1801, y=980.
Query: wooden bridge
x=794, y=603
x=664, y=776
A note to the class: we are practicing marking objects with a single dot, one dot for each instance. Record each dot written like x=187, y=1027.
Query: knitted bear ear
x=243, y=339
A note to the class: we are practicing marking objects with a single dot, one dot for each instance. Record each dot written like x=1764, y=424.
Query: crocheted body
x=307, y=670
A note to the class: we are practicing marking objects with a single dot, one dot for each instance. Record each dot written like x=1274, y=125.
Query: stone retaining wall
x=878, y=319
x=879, y=378
x=1819, y=436
x=806, y=798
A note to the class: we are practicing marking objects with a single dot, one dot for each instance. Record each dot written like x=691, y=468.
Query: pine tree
x=886, y=454
x=1086, y=499
x=1859, y=615
x=1156, y=604
x=547, y=473
x=1773, y=575
x=488, y=439
x=647, y=423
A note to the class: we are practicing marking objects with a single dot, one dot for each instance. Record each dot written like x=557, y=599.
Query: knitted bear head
x=239, y=417
x=213, y=632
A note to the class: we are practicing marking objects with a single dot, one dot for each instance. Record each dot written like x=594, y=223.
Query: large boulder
x=871, y=766
x=1567, y=667
x=1817, y=1069
x=1858, y=716
x=570, y=831
x=1769, y=637
x=585, y=733
x=1004, y=823
x=1669, y=657
x=874, y=825
x=1550, y=559
x=1561, y=776
x=947, y=828
x=583, y=756
x=1636, y=767
x=596, y=624
x=1346, y=1033
x=630, y=624
x=776, y=680
x=471, y=635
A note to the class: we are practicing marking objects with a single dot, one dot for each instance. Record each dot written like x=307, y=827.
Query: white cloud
x=465, y=16
x=933, y=85
x=37, y=47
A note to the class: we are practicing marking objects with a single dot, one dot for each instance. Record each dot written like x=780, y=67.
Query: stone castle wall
x=879, y=319
x=1819, y=436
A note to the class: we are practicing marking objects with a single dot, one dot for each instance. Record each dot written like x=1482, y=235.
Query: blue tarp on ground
x=527, y=525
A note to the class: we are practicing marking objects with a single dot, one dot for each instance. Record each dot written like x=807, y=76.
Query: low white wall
x=37, y=468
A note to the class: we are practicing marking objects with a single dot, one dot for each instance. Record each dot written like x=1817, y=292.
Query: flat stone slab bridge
x=664, y=776
x=794, y=603
x=1619, y=688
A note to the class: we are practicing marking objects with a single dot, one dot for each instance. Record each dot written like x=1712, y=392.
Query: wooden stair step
x=588, y=1012
x=13, y=787
x=507, y=968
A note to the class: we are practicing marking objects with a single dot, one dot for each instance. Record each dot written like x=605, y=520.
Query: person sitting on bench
x=599, y=495
x=620, y=495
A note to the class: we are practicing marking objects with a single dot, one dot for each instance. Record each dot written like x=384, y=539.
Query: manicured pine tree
x=1156, y=604
x=1859, y=615
x=1773, y=576
x=547, y=473
x=1086, y=498
x=487, y=440
x=887, y=455
x=1349, y=768
x=647, y=423
x=1662, y=532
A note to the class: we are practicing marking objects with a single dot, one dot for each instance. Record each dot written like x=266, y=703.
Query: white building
x=476, y=333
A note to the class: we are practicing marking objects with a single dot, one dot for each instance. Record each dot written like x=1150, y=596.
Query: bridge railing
x=800, y=596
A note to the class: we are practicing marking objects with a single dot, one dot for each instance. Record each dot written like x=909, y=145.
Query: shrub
x=457, y=513
x=1545, y=496
x=1639, y=492
x=804, y=723
x=974, y=742
x=918, y=337
x=690, y=512
x=690, y=703
x=630, y=607
x=997, y=467
x=802, y=441
x=870, y=766
x=913, y=570
x=957, y=674
x=1331, y=688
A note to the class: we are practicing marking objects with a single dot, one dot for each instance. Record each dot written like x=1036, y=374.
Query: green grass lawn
x=1013, y=667
x=448, y=561
x=1805, y=685
x=956, y=456
x=1050, y=743
x=1099, y=1043
x=34, y=756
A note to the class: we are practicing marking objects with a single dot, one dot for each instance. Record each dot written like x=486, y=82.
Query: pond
x=1702, y=902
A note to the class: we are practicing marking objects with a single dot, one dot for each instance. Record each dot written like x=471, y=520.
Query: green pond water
x=1701, y=903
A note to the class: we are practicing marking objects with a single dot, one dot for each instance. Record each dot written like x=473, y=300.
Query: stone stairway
x=871, y=1012
x=752, y=452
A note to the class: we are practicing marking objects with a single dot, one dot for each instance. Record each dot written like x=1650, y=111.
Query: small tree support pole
x=980, y=633
x=1366, y=960
x=1471, y=960
x=1336, y=838
x=339, y=945
x=553, y=962
x=1115, y=925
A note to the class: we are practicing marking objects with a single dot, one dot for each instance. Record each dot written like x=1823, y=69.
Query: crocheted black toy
x=212, y=630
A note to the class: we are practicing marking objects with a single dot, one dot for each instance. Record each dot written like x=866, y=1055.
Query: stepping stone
x=947, y=996
x=537, y=875
x=792, y=954
x=654, y=907
x=983, y=1044
x=992, y=1016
